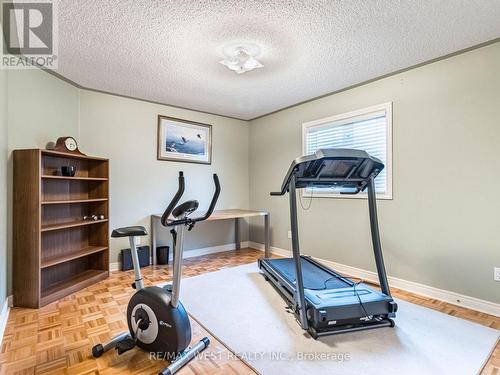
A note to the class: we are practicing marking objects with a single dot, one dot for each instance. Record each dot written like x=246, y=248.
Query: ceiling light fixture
x=241, y=59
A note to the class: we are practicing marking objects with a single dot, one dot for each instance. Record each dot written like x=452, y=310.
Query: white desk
x=217, y=215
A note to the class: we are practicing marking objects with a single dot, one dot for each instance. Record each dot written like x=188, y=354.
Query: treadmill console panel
x=347, y=169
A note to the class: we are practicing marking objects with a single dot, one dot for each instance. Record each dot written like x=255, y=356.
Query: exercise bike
x=157, y=320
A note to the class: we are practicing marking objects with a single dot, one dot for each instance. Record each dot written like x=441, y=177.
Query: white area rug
x=247, y=314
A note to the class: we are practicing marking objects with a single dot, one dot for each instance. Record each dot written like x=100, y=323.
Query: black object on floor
x=125, y=345
x=162, y=255
x=126, y=257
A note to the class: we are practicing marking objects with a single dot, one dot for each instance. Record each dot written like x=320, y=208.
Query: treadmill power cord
x=359, y=299
x=356, y=293
x=310, y=200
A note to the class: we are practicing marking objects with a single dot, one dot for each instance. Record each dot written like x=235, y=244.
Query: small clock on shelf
x=67, y=145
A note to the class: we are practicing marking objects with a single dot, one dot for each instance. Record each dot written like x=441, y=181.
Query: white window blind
x=367, y=130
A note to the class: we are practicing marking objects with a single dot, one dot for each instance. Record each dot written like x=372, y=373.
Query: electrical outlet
x=290, y=234
x=496, y=276
x=137, y=241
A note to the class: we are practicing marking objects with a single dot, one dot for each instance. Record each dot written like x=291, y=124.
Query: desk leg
x=267, y=237
x=153, y=239
x=237, y=233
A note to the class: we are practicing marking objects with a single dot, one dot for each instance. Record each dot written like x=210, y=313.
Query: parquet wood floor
x=58, y=338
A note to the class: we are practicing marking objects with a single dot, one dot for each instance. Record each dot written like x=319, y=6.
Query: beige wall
x=3, y=187
x=125, y=131
x=442, y=227
x=41, y=109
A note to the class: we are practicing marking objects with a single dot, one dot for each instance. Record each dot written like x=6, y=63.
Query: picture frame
x=184, y=141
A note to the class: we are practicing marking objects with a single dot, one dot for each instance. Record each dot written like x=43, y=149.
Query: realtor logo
x=29, y=34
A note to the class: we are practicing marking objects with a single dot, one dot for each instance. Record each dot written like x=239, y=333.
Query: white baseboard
x=195, y=252
x=409, y=286
x=4, y=317
x=274, y=250
x=115, y=266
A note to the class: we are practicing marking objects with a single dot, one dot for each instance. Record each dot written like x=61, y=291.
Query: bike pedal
x=125, y=345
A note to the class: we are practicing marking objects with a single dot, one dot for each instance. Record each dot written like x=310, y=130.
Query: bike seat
x=129, y=232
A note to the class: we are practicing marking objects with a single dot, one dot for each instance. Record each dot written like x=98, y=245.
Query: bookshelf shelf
x=52, y=261
x=73, y=201
x=70, y=224
x=76, y=178
x=70, y=285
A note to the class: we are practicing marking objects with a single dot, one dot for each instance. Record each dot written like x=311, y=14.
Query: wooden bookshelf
x=56, y=252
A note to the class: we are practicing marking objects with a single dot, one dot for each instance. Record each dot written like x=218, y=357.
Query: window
x=369, y=129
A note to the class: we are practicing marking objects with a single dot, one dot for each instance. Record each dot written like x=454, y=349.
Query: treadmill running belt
x=314, y=278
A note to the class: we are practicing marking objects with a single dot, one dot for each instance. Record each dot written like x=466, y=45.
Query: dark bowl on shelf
x=68, y=170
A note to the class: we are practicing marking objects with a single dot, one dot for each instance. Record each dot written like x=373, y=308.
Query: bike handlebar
x=170, y=223
x=174, y=201
x=213, y=202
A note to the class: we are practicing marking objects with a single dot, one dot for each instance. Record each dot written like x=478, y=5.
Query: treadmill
x=325, y=302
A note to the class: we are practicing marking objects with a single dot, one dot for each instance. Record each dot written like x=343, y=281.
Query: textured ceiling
x=168, y=51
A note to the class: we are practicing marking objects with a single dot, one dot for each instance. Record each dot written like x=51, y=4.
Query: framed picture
x=184, y=141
